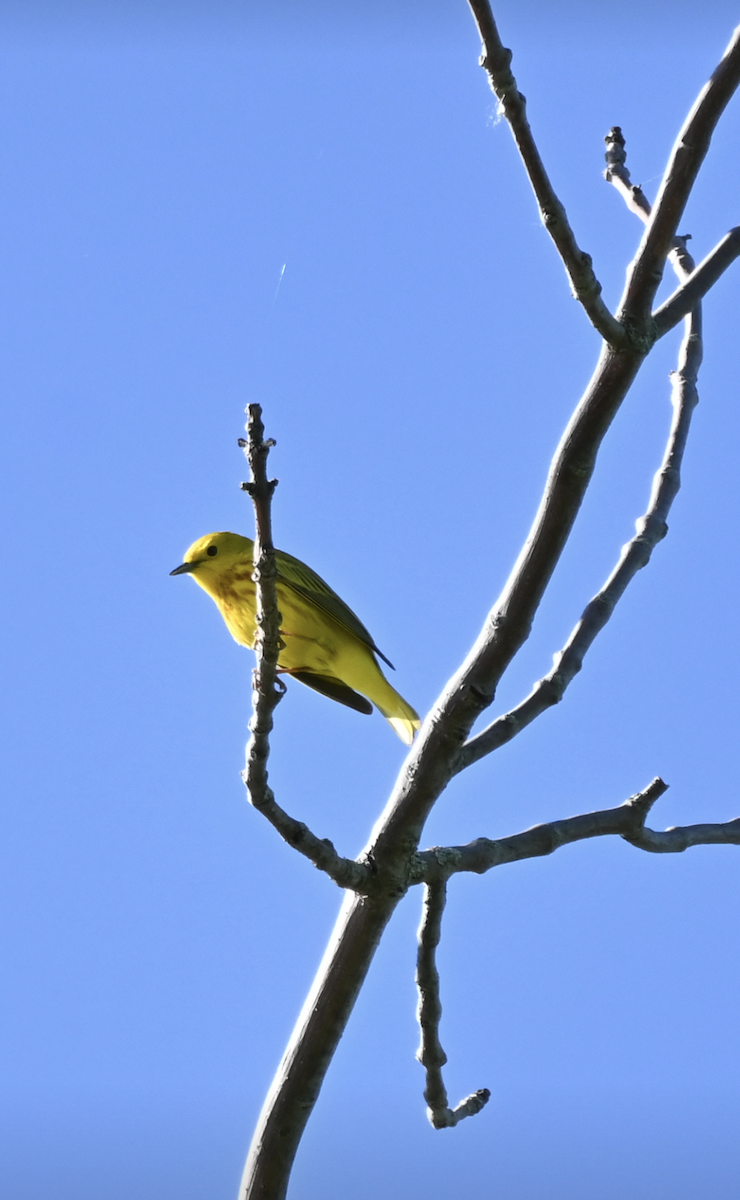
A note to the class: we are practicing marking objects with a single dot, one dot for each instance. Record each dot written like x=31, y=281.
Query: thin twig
x=496, y=60
x=429, y=1012
x=617, y=174
x=637, y=202
x=267, y=689
x=651, y=528
x=626, y=821
x=266, y=692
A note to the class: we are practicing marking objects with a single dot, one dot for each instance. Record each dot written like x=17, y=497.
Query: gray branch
x=651, y=528
x=618, y=175
x=432, y=760
x=686, y=158
x=267, y=689
x=496, y=60
x=696, y=281
x=626, y=821
x=686, y=298
x=430, y=1053
x=435, y=758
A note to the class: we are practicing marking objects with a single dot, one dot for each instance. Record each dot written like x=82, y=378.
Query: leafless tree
x=392, y=862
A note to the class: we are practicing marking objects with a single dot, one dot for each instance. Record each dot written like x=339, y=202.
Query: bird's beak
x=184, y=568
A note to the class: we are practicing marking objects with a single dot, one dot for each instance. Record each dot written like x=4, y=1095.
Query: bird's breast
x=310, y=636
x=236, y=598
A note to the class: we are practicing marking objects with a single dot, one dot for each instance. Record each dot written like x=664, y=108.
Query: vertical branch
x=266, y=689
x=429, y=1012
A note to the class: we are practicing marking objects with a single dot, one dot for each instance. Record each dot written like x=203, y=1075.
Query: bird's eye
x=212, y=550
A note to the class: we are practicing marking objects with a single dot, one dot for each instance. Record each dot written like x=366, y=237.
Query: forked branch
x=688, y=154
x=496, y=60
x=392, y=850
x=696, y=281
x=626, y=821
x=651, y=528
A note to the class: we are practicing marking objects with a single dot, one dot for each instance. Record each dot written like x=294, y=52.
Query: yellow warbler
x=326, y=646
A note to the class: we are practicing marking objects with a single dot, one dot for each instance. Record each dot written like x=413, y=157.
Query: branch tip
x=268, y=686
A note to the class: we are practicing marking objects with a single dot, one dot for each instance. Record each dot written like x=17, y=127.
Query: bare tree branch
x=686, y=158
x=685, y=298
x=430, y=1053
x=697, y=281
x=431, y=763
x=627, y=821
x=651, y=529
x=471, y=690
x=267, y=688
x=266, y=693
x=496, y=60
x=616, y=173
x=345, y=872
x=679, y=838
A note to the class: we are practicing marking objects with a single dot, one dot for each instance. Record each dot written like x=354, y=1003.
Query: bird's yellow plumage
x=326, y=646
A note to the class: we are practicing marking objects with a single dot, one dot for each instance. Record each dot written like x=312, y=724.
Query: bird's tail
x=400, y=716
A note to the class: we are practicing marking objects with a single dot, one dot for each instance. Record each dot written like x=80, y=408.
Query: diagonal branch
x=508, y=625
x=430, y=764
x=686, y=297
x=345, y=872
x=617, y=174
x=651, y=529
x=627, y=821
x=696, y=281
x=430, y=1053
x=686, y=158
x=267, y=690
x=496, y=60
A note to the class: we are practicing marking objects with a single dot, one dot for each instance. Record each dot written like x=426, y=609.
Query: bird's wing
x=334, y=690
x=312, y=587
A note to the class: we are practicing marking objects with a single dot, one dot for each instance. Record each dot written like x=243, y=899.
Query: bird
x=325, y=646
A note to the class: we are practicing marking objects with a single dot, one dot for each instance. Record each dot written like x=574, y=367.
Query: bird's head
x=215, y=554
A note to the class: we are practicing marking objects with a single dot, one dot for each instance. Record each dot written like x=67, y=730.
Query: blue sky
x=202, y=206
